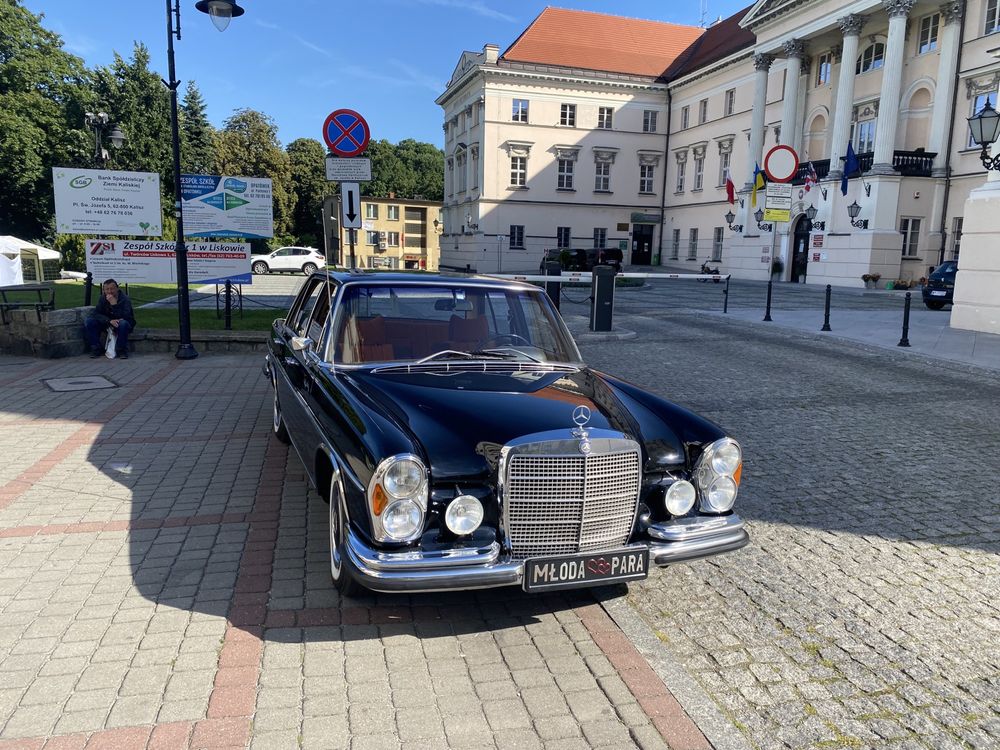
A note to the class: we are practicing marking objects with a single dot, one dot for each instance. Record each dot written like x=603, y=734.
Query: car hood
x=461, y=420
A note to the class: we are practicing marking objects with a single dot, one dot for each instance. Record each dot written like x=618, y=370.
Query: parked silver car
x=304, y=259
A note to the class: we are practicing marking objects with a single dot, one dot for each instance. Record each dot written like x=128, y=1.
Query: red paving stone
x=124, y=738
x=221, y=733
x=170, y=736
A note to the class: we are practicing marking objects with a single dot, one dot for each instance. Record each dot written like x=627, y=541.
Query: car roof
x=423, y=279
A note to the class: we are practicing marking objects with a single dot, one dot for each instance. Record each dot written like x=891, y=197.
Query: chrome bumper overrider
x=682, y=540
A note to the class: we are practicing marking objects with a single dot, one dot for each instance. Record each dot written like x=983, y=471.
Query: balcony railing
x=907, y=163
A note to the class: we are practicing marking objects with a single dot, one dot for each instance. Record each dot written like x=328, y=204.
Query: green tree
x=197, y=133
x=43, y=97
x=248, y=146
x=309, y=187
x=409, y=169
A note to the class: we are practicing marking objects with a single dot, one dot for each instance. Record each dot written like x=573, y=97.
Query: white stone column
x=851, y=26
x=951, y=15
x=762, y=64
x=892, y=74
x=794, y=50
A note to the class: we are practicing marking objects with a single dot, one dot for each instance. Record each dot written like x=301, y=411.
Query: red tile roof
x=719, y=41
x=597, y=41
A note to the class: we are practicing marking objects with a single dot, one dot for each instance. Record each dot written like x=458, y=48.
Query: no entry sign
x=346, y=132
x=781, y=164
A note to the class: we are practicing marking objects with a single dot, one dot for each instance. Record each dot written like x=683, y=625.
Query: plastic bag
x=111, y=348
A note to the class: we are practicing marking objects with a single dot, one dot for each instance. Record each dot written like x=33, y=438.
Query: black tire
x=260, y=268
x=277, y=421
x=309, y=269
x=934, y=304
x=342, y=580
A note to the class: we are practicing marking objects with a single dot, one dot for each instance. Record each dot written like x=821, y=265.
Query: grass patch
x=206, y=320
x=71, y=293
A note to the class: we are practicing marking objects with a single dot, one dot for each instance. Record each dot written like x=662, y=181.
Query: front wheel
x=260, y=268
x=345, y=585
x=934, y=304
x=277, y=422
x=309, y=269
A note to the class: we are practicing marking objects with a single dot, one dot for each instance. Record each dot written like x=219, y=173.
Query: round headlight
x=721, y=495
x=404, y=478
x=402, y=519
x=726, y=459
x=680, y=497
x=464, y=515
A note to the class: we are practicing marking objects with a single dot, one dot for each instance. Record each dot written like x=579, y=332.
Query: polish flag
x=730, y=189
x=811, y=178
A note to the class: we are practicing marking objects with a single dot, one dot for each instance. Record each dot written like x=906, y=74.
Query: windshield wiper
x=450, y=353
x=506, y=351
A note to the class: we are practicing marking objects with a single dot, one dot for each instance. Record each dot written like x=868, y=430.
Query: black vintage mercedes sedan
x=461, y=442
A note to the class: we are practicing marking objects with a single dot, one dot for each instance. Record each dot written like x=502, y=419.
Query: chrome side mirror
x=301, y=343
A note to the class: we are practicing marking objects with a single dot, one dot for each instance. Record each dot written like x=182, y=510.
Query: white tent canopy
x=13, y=251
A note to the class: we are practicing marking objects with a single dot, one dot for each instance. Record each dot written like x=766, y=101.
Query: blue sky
x=298, y=60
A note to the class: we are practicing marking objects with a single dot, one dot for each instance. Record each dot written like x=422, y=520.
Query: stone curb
x=693, y=699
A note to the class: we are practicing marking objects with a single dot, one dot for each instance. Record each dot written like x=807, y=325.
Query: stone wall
x=59, y=333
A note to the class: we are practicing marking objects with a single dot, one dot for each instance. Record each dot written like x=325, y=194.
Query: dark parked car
x=583, y=259
x=940, y=287
x=461, y=441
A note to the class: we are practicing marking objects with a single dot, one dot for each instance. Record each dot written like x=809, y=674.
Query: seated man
x=113, y=309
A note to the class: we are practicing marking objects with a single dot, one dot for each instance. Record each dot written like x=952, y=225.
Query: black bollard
x=767, y=310
x=725, y=298
x=88, y=288
x=905, y=341
x=826, y=311
x=553, y=268
x=229, y=305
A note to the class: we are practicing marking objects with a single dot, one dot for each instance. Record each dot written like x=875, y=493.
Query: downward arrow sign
x=350, y=197
x=350, y=206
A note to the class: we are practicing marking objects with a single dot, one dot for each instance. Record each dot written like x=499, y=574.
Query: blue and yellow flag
x=758, y=183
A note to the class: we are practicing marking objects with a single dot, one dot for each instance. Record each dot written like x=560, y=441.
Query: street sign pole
x=351, y=234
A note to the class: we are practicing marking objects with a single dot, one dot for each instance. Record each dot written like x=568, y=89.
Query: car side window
x=300, y=323
x=283, y=252
x=317, y=320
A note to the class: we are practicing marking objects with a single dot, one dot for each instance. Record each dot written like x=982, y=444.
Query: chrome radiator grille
x=557, y=503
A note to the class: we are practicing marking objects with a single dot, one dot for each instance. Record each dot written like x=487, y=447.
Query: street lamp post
x=813, y=224
x=730, y=218
x=984, y=127
x=852, y=211
x=100, y=123
x=763, y=226
x=221, y=12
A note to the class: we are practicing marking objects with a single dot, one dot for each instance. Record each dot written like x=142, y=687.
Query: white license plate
x=595, y=569
x=938, y=293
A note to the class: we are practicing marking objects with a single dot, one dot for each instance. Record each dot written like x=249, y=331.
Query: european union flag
x=851, y=165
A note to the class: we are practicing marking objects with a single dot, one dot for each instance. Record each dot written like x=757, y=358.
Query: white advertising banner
x=154, y=261
x=100, y=201
x=227, y=206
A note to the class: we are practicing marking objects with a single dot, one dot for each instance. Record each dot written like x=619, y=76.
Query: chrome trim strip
x=421, y=560
x=696, y=544
x=694, y=527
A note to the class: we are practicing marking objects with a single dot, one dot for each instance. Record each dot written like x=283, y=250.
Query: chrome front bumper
x=683, y=540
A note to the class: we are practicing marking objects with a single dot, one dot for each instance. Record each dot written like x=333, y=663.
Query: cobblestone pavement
x=866, y=610
x=164, y=584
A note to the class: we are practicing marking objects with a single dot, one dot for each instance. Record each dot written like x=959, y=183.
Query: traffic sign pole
x=347, y=135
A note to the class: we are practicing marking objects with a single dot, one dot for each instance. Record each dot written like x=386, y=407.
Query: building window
x=563, y=237
x=980, y=101
x=392, y=238
x=371, y=238
x=517, y=235
x=565, y=177
x=992, y=17
x=910, y=229
x=685, y=117
x=371, y=210
x=699, y=172
x=649, y=121
x=702, y=111
x=956, y=236
x=600, y=238
x=928, y=33
x=730, y=101
x=871, y=59
x=717, y=235
x=567, y=115
x=518, y=171
x=693, y=245
x=602, y=177
x=646, y=172
x=675, y=245
x=604, y=115
x=864, y=136
x=724, y=167
x=681, y=166
x=392, y=213
x=520, y=113
x=823, y=65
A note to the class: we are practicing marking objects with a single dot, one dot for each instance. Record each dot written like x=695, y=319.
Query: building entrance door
x=800, y=250
x=642, y=244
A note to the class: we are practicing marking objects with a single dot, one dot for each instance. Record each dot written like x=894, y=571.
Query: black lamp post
x=811, y=216
x=730, y=217
x=853, y=210
x=764, y=227
x=221, y=12
x=100, y=123
x=985, y=126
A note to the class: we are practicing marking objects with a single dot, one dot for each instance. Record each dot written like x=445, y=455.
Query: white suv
x=305, y=259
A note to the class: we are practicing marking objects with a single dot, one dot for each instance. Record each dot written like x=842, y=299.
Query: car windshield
x=945, y=272
x=404, y=322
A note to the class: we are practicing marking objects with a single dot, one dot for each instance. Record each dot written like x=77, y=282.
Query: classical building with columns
x=895, y=78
